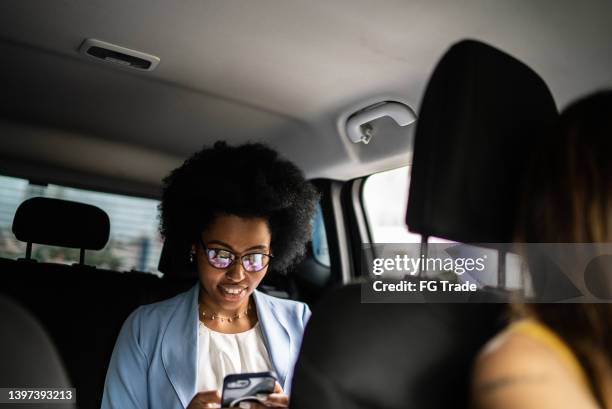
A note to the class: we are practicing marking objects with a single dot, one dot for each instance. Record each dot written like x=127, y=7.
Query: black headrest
x=482, y=112
x=174, y=261
x=61, y=223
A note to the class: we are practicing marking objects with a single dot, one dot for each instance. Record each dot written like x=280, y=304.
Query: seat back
x=28, y=355
x=481, y=110
x=81, y=307
x=358, y=355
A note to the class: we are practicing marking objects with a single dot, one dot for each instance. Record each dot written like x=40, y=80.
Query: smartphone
x=245, y=387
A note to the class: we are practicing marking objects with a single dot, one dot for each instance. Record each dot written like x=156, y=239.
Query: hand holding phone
x=205, y=399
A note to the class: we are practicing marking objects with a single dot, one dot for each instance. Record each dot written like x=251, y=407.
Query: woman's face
x=230, y=288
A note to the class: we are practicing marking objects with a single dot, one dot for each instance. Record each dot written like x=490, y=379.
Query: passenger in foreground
x=559, y=356
x=240, y=210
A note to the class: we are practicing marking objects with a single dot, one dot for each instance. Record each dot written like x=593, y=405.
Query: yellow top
x=540, y=332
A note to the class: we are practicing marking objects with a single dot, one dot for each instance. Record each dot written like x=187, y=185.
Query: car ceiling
x=283, y=72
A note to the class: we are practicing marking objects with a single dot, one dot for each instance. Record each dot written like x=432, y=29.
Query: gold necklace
x=215, y=316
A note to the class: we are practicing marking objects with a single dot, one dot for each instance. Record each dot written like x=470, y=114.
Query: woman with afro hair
x=241, y=211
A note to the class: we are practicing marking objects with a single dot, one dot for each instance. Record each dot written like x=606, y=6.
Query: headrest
x=61, y=223
x=174, y=261
x=482, y=112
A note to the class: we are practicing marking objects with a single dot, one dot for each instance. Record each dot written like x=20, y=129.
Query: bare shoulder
x=515, y=370
x=511, y=352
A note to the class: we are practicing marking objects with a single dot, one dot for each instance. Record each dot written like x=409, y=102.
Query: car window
x=385, y=197
x=320, y=249
x=134, y=242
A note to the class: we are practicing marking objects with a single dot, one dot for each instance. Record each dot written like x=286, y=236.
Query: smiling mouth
x=232, y=290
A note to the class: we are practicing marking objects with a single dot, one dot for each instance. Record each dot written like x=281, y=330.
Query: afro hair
x=249, y=180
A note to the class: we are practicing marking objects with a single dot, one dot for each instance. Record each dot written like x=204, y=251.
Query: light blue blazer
x=154, y=364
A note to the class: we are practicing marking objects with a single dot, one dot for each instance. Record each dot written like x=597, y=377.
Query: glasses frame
x=235, y=257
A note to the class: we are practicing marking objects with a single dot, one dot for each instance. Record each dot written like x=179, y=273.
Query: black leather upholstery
x=481, y=113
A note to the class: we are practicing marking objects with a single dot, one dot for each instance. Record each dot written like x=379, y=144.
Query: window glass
x=320, y=249
x=385, y=197
x=134, y=242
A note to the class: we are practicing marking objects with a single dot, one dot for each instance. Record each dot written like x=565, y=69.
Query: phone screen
x=244, y=387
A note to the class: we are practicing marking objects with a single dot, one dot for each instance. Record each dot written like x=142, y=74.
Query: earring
x=191, y=256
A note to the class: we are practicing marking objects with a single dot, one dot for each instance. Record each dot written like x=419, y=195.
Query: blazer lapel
x=179, y=346
x=276, y=336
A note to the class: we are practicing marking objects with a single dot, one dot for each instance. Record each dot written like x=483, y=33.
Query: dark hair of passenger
x=249, y=180
x=568, y=199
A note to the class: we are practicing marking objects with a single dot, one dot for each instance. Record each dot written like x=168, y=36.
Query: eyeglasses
x=224, y=259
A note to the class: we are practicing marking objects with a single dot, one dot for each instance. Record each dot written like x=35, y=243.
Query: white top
x=222, y=354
